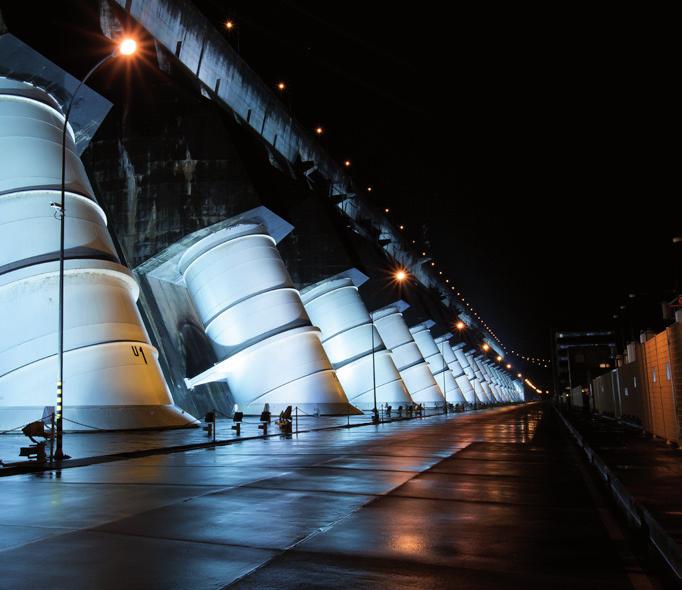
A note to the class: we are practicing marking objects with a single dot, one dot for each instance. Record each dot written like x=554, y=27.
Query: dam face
x=112, y=377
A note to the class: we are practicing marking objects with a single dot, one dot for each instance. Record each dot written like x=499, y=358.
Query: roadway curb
x=637, y=515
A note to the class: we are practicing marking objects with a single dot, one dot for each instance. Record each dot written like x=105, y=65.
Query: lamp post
x=445, y=396
x=125, y=47
x=399, y=276
x=375, y=411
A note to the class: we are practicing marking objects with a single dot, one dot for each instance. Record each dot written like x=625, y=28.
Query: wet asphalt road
x=494, y=499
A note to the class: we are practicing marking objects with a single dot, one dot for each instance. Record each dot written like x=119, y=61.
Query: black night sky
x=530, y=151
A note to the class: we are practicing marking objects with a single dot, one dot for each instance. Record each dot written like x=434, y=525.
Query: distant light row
x=538, y=361
x=319, y=130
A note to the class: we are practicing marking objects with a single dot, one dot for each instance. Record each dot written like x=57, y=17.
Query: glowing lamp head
x=508, y=366
x=127, y=47
x=281, y=86
x=498, y=358
x=459, y=325
x=229, y=25
x=486, y=347
x=319, y=130
x=347, y=163
x=400, y=275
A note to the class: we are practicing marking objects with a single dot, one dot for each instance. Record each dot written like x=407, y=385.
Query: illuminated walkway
x=488, y=500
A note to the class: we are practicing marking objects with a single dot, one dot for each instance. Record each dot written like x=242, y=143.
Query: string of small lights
x=537, y=361
x=230, y=27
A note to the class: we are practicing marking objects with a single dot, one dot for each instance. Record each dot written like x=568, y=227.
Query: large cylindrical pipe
x=413, y=369
x=476, y=362
x=269, y=351
x=475, y=377
x=460, y=378
x=489, y=378
x=499, y=377
x=354, y=345
x=112, y=379
x=495, y=381
x=466, y=378
x=436, y=361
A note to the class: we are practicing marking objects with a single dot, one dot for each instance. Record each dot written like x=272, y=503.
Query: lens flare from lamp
x=127, y=47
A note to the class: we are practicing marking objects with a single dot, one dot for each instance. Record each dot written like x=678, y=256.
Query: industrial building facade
x=646, y=386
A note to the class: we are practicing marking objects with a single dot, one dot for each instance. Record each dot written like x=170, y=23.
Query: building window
x=627, y=393
x=634, y=382
x=653, y=375
x=668, y=375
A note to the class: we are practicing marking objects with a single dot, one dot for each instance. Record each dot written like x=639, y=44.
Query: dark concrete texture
x=492, y=499
x=650, y=469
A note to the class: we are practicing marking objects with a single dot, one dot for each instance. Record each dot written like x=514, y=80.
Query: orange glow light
x=400, y=275
x=127, y=47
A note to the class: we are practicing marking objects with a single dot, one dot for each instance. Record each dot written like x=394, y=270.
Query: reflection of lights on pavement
x=408, y=543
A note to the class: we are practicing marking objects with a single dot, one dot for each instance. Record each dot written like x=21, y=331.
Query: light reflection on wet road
x=486, y=500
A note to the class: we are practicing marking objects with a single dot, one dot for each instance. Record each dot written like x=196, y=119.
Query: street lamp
x=399, y=276
x=442, y=354
x=375, y=411
x=126, y=47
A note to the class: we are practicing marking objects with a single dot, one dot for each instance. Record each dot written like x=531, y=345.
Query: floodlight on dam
x=111, y=373
x=411, y=365
x=268, y=350
x=439, y=369
x=354, y=345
